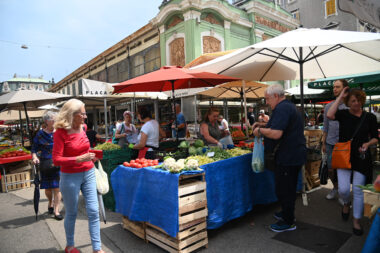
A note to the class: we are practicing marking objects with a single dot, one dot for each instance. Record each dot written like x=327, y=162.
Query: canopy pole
x=245, y=109
x=195, y=115
x=21, y=132
x=174, y=112
x=301, y=84
x=241, y=110
x=105, y=118
x=27, y=124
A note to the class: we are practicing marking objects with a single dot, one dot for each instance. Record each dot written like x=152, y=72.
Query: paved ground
x=320, y=229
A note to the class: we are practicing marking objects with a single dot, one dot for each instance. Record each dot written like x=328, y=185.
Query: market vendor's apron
x=144, y=153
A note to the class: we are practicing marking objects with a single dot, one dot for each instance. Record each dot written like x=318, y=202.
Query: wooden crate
x=192, y=213
x=313, y=167
x=371, y=203
x=312, y=180
x=136, y=227
x=16, y=181
x=313, y=137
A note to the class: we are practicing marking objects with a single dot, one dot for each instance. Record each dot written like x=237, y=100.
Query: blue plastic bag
x=258, y=156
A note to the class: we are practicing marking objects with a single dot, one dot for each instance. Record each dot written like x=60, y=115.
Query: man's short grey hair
x=49, y=115
x=275, y=89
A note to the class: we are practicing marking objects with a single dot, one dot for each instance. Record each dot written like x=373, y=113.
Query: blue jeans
x=70, y=185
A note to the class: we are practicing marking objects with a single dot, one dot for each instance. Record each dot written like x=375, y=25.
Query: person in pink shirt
x=71, y=151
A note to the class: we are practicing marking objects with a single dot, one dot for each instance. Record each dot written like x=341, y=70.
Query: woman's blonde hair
x=66, y=114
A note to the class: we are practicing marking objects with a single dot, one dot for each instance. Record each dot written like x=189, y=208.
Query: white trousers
x=344, y=182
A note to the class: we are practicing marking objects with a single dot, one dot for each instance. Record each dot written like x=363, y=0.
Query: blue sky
x=62, y=35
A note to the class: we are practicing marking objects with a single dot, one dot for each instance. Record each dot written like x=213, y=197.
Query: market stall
x=232, y=191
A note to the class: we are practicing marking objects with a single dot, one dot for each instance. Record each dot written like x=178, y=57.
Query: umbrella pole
x=21, y=132
x=105, y=118
x=174, y=112
x=304, y=195
x=27, y=124
x=241, y=110
x=245, y=110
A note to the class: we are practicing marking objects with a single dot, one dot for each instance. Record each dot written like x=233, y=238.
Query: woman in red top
x=71, y=152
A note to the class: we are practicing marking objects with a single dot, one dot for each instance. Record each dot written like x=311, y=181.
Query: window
x=296, y=14
x=152, y=60
x=330, y=7
x=291, y=1
x=138, y=65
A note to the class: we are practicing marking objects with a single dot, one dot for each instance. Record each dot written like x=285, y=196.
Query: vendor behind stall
x=209, y=131
x=181, y=123
x=126, y=132
x=148, y=139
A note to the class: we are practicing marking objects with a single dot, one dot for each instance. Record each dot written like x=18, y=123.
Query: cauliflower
x=168, y=163
x=191, y=164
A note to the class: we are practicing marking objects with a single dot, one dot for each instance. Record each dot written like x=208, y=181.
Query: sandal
x=73, y=250
x=58, y=217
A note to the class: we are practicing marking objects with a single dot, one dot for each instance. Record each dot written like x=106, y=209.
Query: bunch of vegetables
x=243, y=144
x=141, y=163
x=107, y=146
x=238, y=152
x=202, y=159
x=219, y=154
x=237, y=133
x=375, y=187
x=13, y=152
x=170, y=164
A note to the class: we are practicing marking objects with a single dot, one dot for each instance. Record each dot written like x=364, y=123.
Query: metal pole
x=27, y=125
x=21, y=132
x=301, y=83
x=174, y=112
x=245, y=109
x=105, y=118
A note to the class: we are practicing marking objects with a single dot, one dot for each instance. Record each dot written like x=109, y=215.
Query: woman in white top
x=148, y=139
x=126, y=131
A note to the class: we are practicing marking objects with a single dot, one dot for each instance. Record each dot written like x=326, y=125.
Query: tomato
x=133, y=165
x=155, y=162
x=137, y=160
x=132, y=161
x=138, y=166
x=126, y=164
x=145, y=165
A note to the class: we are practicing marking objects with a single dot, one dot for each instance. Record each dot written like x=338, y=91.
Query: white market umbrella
x=302, y=53
x=28, y=99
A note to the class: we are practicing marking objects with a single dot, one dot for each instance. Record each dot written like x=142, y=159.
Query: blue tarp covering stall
x=232, y=190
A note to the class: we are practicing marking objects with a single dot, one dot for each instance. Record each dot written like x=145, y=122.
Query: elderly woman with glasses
x=42, y=153
x=71, y=151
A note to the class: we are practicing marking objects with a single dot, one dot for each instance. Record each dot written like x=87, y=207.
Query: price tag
x=210, y=154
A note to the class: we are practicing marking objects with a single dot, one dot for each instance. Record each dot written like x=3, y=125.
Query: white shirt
x=151, y=129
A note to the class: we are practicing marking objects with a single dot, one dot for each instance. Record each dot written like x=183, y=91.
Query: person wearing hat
x=126, y=131
x=263, y=117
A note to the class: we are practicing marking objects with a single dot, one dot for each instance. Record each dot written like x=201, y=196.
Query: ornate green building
x=182, y=31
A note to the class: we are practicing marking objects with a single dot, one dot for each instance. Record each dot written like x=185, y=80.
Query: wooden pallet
x=371, y=203
x=136, y=227
x=192, y=213
x=16, y=181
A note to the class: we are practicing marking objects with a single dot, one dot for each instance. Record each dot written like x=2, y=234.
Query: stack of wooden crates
x=313, y=144
x=192, y=207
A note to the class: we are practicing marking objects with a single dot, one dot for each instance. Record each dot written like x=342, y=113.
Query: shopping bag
x=323, y=170
x=102, y=184
x=341, y=155
x=226, y=141
x=257, y=163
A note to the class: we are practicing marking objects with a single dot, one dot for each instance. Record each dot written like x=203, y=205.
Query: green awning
x=369, y=82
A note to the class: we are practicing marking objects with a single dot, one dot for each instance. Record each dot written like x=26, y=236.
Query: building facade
x=324, y=14
x=25, y=83
x=182, y=31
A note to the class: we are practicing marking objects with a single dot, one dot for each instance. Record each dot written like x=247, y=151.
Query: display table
x=232, y=190
x=4, y=161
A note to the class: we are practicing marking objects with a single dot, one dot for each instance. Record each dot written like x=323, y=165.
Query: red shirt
x=67, y=147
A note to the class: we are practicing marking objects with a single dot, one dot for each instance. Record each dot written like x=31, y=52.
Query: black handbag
x=47, y=167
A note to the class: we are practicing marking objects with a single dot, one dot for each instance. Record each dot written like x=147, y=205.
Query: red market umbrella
x=172, y=78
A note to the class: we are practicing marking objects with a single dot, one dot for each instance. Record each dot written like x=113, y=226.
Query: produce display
x=141, y=163
x=202, y=159
x=237, y=133
x=173, y=166
x=107, y=146
x=243, y=144
x=13, y=152
x=238, y=151
x=375, y=187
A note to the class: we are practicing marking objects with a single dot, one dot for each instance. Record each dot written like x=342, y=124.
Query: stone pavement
x=19, y=232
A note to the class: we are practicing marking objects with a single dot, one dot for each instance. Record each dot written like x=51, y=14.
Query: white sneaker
x=341, y=202
x=332, y=194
